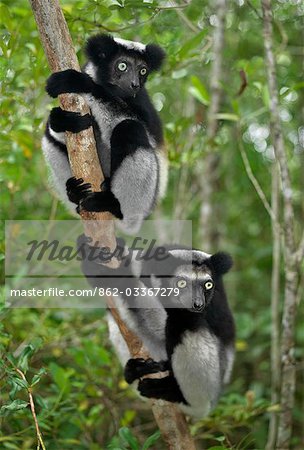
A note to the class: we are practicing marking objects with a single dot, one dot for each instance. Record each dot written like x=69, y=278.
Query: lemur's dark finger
x=73, y=181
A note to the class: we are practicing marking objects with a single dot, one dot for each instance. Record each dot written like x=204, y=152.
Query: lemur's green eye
x=181, y=284
x=122, y=66
x=209, y=285
x=143, y=71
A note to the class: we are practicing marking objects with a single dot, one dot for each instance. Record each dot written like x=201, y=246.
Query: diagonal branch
x=257, y=186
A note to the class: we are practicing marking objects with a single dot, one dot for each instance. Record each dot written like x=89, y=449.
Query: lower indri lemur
x=189, y=333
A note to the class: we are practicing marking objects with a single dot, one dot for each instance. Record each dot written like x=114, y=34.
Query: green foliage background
x=81, y=399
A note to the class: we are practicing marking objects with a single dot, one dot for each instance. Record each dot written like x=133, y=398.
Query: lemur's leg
x=102, y=201
x=162, y=388
x=138, y=367
x=134, y=170
x=61, y=120
x=131, y=190
x=82, y=195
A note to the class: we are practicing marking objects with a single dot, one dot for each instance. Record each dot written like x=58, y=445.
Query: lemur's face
x=127, y=75
x=196, y=287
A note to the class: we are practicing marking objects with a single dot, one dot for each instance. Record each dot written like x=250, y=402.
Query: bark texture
x=288, y=377
x=61, y=55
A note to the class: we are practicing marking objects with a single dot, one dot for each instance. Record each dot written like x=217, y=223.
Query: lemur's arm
x=165, y=388
x=71, y=81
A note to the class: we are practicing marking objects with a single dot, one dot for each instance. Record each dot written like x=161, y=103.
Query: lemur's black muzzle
x=198, y=304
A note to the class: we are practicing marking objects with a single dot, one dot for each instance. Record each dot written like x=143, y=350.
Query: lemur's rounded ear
x=101, y=46
x=221, y=263
x=154, y=55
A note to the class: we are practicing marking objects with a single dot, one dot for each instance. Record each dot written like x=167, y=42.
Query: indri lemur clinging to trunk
x=127, y=130
x=190, y=334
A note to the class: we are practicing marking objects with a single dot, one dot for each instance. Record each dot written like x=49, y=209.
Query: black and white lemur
x=190, y=335
x=127, y=130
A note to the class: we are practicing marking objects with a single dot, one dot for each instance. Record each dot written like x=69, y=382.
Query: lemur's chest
x=106, y=117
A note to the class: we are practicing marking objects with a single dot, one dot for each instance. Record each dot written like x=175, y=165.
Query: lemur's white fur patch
x=131, y=45
x=188, y=255
x=57, y=136
x=90, y=69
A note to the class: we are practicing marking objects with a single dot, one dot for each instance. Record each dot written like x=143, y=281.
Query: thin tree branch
x=33, y=411
x=118, y=29
x=187, y=22
x=61, y=55
x=257, y=186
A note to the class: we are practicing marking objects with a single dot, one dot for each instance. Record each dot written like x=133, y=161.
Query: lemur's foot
x=61, y=120
x=156, y=388
x=101, y=202
x=138, y=367
x=77, y=190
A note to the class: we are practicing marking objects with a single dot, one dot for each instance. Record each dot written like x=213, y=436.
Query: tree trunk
x=288, y=377
x=275, y=309
x=208, y=178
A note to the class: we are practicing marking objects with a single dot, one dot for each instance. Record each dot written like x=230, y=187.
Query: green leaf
x=26, y=353
x=228, y=116
x=177, y=74
x=151, y=440
x=17, y=384
x=198, y=84
x=16, y=405
x=36, y=378
x=197, y=95
x=61, y=377
x=220, y=438
x=298, y=86
x=128, y=438
x=191, y=44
